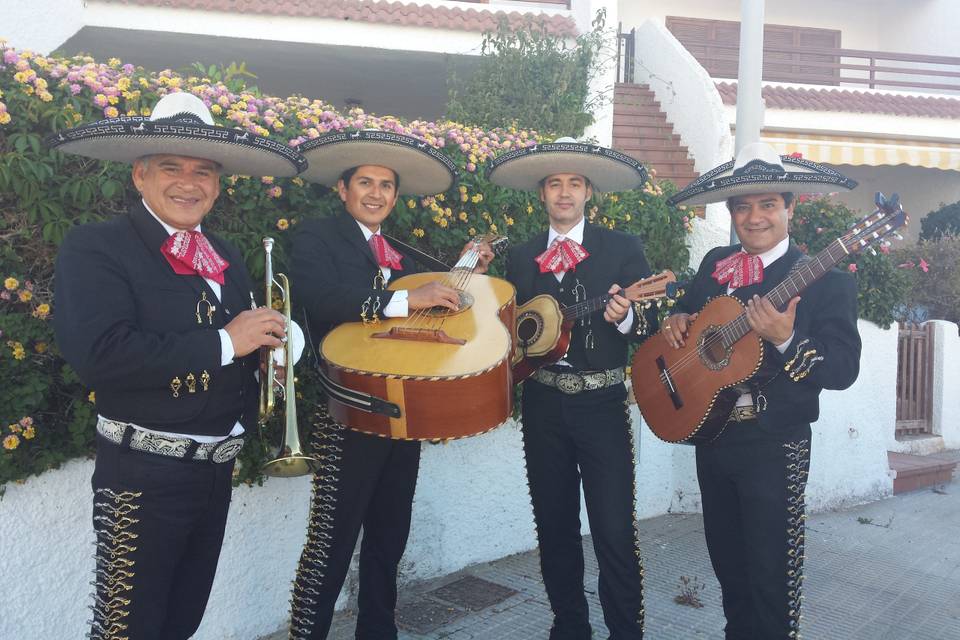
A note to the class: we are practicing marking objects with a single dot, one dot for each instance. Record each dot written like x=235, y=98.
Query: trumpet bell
x=290, y=466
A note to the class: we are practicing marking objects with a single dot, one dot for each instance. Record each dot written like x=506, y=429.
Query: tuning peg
x=880, y=200
x=872, y=252
x=898, y=236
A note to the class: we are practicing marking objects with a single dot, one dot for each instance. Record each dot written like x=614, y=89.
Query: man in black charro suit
x=576, y=424
x=341, y=267
x=154, y=315
x=753, y=475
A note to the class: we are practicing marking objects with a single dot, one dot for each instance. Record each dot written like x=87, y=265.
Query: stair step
x=917, y=472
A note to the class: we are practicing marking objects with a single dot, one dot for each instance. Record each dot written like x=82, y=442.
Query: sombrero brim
x=797, y=176
x=423, y=170
x=608, y=170
x=125, y=139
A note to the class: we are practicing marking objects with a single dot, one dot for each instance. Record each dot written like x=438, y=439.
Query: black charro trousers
x=159, y=523
x=752, y=483
x=584, y=438
x=364, y=481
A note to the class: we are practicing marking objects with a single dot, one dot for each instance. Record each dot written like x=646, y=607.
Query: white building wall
x=946, y=382
x=472, y=505
x=39, y=25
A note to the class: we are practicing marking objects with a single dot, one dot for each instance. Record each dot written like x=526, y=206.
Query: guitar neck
x=798, y=280
x=585, y=308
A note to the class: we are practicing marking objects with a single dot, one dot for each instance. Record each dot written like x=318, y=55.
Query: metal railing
x=833, y=67
x=626, y=54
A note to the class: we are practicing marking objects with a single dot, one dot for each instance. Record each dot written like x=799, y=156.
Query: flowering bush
x=933, y=279
x=44, y=193
x=817, y=222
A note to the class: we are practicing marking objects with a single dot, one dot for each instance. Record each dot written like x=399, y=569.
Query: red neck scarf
x=564, y=254
x=386, y=255
x=740, y=269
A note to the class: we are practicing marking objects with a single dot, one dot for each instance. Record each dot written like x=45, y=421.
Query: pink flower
x=4, y=295
x=127, y=68
x=75, y=89
x=885, y=249
x=471, y=167
x=924, y=265
x=852, y=268
x=10, y=56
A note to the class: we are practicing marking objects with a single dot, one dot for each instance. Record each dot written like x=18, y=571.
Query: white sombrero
x=607, y=169
x=760, y=169
x=422, y=169
x=180, y=125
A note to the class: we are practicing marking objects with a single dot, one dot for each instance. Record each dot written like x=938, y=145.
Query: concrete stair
x=641, y=130
x=912, y=472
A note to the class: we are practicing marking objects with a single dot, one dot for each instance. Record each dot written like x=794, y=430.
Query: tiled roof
x=803, y=99
x=382, y=11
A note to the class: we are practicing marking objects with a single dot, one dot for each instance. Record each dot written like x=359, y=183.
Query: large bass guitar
x=687, y=394
x=544, y=327
x=444, y=374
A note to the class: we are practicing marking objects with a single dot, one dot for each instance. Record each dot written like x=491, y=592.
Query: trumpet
x=291, y=460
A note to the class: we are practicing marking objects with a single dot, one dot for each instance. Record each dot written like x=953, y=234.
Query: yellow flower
x=463, y=216
x=113, y=62
x=297, y=181
x=411, y=203
x=5, y=118
x=419, y=233
x=111, y=112
x=113, y=99
x=146, y=85
x=441, y=197
x=11, y=442
x=493, y=227
x=283, y=224
x=614, y=198
x=477, y=198
x=40, y=347
x=529, y=208
x=472, y=231
x=29, y=433
x=443, y=223
x=92, y=397
x=42, y=311
x=40, y=84
x=509, y=221
x=15, y=428
x=11, y=284
x=25, y=296
x=123, y=84
x=216, y=109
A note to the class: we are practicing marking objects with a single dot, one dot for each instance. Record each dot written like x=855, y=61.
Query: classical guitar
x=544, y=327
x=687, y=394
x=446, y=372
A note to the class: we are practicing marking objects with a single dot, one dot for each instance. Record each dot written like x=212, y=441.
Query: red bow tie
x=564, y=254
x=740, y=269
x=190, y=253
x=386, y=255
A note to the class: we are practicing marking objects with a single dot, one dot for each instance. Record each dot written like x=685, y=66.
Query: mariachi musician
x=341, y=266
x=576, y=425
x=154, y=314
x=754, y=474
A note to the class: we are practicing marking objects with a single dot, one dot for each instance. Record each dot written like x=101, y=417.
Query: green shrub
x=44, y=193
x=944, y=221
x=933, y=291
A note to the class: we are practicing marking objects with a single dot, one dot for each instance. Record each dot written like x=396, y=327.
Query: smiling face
x=564, y=195
x=180, y=190
x=760, y=220
x=370, y=195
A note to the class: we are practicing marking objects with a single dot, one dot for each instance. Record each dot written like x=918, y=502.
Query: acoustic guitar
x=544, y=327
x=687, y=394
x=447, y=373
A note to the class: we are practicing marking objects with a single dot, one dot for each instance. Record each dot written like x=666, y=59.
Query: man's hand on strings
x=485, y=252
x=433, y=294
x=675, y=328
x=617, y=306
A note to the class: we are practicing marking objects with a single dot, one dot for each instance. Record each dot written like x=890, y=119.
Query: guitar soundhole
x=466, y=301
x=713, y=354
x=529, y=329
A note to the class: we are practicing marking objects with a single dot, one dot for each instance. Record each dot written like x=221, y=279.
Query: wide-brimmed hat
x=607, y=169
x=758, y=168
x=423, y=169
x=181, y=125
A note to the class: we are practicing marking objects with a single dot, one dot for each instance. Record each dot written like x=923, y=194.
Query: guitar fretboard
x=581, y=309
x=780, y=295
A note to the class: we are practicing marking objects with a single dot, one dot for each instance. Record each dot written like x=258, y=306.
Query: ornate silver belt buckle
x=226, y=450
x=570, y=382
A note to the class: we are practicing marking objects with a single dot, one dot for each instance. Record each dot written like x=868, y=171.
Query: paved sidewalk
x=889, y=570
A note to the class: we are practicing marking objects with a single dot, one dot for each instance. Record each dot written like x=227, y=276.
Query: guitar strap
x=422, y=257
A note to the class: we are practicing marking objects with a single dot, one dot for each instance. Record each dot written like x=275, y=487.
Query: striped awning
x=837, y=150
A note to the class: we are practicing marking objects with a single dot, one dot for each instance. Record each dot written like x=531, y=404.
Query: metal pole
x=749, y=77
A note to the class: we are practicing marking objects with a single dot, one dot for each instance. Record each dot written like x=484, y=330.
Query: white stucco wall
x=471, y=505
x=39, y=25
x=946, y=382
x=601, y=85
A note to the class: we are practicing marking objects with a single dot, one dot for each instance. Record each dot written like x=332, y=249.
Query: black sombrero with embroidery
x=760, y=169
x=423, y=169
x=607, y=169
x=181, y=125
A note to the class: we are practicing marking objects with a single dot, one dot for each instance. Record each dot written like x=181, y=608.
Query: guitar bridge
x=419, y=335
x=667, y=381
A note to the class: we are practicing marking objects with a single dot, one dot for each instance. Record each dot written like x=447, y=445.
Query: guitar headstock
x=878, y=226
x=497, y=242
x=661, y=285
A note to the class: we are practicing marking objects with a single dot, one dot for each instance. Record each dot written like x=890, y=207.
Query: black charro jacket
x=128, y=325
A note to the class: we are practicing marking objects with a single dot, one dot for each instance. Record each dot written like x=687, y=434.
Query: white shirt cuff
x=624, y=326
x=226, y=348
x=397, y=307
x=782, y=347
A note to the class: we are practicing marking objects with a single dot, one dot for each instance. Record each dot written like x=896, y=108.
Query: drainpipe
x=749, y=76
